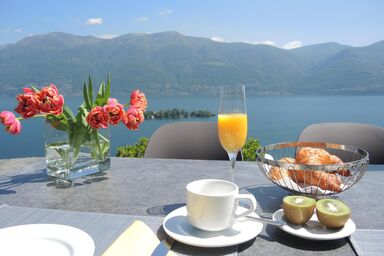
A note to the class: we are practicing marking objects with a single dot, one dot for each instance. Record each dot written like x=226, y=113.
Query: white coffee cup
x=212, y=204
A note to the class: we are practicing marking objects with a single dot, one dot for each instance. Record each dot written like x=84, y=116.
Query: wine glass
x=232, y=121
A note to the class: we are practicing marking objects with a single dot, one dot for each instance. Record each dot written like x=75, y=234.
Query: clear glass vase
x=66, y=161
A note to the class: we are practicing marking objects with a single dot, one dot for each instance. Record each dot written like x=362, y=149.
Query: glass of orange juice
x=232, y=120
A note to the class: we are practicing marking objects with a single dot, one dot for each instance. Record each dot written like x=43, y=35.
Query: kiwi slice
x=298, y=209
x=332, y=213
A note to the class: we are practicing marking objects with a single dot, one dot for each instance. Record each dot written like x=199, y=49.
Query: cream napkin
x=137, y=239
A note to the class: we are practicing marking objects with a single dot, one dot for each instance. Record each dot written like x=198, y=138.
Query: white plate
x=44, y=240
x=313, y=230
x=177, y=226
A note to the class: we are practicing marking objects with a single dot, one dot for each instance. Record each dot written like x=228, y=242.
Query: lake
x=270, y=119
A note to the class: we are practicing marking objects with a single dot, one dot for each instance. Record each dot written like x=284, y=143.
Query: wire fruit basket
x=313, y=169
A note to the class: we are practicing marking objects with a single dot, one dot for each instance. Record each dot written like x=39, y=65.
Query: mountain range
x=170, y=63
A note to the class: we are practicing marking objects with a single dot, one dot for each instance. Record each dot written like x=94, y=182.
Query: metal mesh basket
x=278, y=163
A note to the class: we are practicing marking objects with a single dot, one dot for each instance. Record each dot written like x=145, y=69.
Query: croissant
x=277, y=173
x=318, y=156
x=311, y=156
x=304, y=155
x=335, y=160
x=321, y=179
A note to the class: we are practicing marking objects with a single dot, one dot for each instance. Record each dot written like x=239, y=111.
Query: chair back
x=186, y=140
x=365, y=136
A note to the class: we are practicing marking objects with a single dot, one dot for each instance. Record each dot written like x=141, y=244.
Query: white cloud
x=217, y=39
x=288, y=46
x=141, y=19
x=107, y=36
x=142, y=33
x=17, y=30
x=94, y=21
x=292, y=45
x=165, y=12
x=267, y=42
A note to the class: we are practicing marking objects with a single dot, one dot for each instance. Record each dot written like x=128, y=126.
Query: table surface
x=157, y=186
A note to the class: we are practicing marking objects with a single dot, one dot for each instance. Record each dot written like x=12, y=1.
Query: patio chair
x=366, y=136
x=187, y=140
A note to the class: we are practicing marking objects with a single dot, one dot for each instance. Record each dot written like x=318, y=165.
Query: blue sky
x=284, y=23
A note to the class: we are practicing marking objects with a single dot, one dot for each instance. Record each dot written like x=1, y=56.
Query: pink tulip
x=133, y=118
x=139, y=100
x=15, y=128
x=7, y=118
x=28, y=105
x=98, y=118
x=12, y=125
x=115, y=111
x=50, y=101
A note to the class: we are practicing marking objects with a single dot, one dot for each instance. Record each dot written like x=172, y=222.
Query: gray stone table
x=156, y=187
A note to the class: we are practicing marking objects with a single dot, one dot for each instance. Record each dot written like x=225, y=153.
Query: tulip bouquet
x=83, y=142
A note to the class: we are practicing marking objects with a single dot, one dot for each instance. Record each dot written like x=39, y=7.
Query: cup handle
x=249, y=198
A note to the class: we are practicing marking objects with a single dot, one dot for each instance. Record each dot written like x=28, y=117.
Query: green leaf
x=59, y=122
x=101, y=98
x=108, y=88
x=65, y=121
x=82, y=116
x=78, y=136
x=69, y=115
x=87, y=101
x=68, y=112
x=90, y=91
x=80, y=130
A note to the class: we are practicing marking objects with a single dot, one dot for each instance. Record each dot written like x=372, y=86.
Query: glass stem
x=232, y=158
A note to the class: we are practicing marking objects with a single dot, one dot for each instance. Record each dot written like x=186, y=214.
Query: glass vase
x=67, y=161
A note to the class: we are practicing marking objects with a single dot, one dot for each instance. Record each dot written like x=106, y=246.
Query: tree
x=249, y=149
x=137, y=150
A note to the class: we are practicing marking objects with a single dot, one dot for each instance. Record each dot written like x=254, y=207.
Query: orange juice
x=232, y=131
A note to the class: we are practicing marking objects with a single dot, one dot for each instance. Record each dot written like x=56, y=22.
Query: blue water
x=270, y=119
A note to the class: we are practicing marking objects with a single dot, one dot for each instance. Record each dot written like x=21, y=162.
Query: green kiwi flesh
x=298, y=209
x=332, y=213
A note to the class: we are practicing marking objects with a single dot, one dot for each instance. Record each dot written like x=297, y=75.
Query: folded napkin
x=368, y=242
x=137, y=239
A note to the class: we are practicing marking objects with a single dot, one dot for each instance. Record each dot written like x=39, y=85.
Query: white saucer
x=44, y=240
x=177, y=226
x=314, y=230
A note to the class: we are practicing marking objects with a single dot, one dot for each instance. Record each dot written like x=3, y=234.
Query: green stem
x=97, y=141
x=105, y=139
x=41, y=115
x=22, y=118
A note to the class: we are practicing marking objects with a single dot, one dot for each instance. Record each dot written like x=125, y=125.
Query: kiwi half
x=332, y=213
x=298, y=209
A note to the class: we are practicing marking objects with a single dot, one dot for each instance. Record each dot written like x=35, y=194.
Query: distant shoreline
x=177, y=113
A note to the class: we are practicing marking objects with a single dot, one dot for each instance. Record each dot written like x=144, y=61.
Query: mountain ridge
x=170, y=63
